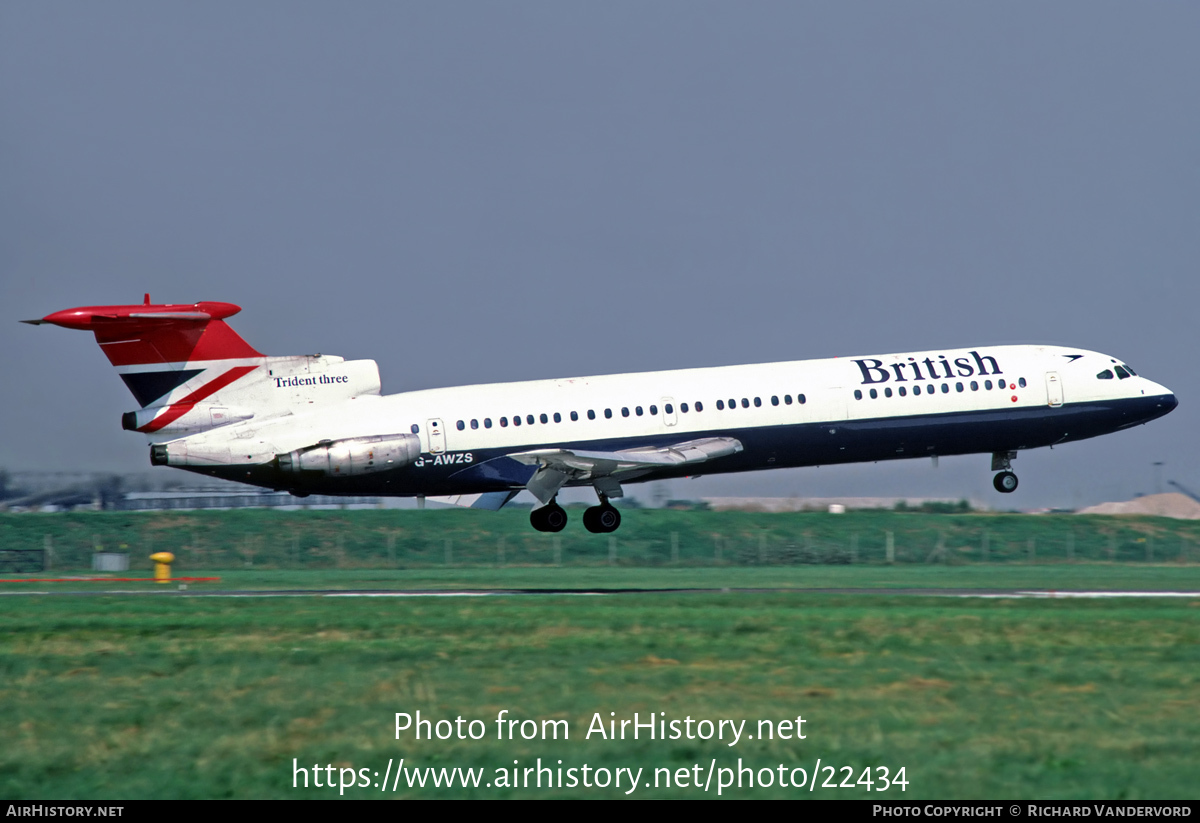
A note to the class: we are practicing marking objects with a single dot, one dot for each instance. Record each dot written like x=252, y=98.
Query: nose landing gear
x=1005, y=482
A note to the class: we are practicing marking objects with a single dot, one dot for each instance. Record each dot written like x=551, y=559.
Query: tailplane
x=191, y=372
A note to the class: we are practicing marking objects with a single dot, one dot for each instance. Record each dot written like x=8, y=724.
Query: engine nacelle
x=353, y=456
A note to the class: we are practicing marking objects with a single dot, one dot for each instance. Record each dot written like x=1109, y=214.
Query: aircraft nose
x=1165, y=397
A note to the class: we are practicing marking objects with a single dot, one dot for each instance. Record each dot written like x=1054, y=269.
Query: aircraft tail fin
x=189, y=371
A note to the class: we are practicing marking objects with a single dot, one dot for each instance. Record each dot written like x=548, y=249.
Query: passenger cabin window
x=683, y=407
x=669, y=409
x=516, y=419
x=461, y=425
x=958, y=386
x=774, y=400
x=529, y=419
x=608, y=414
x=787, y=400
x=858, y=394
x=801, y=399
x=474, y=424
x=574, y=416
x=974, y=385
x=945, y=388
x=415, y=429
x=874, y=394
x=591, y=414
x=720, y=405
x=504, y=422
x=903, y=391
x=732, y=404
x=987, y=384
x=487, y=422
x=637, y=410
x=625, y=411
x=887, y=392
x=654, y=410
x=1021, y=381
x=745, y=403
x=557, y=417
x=699, y=406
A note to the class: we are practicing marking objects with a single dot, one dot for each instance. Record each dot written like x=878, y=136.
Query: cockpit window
x=1105, y=375
x=1121, y=373
x=1129, y=369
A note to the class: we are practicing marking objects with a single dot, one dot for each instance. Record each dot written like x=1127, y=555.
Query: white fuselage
x=984, y=399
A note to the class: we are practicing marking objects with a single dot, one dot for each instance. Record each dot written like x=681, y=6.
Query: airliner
x=212, y=404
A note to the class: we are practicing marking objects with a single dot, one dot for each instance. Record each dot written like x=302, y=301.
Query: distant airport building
x=837, y=504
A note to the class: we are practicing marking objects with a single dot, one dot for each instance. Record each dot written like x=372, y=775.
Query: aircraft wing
x=491, y=501
x=557, y=467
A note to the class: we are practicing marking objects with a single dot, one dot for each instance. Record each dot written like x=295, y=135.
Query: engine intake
x=353, y=456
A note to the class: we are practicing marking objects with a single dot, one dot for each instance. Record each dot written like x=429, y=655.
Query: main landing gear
x=549, y=518
x=600, y=519
x=1005, y=482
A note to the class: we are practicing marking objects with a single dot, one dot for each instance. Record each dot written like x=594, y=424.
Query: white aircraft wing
x=557, y=467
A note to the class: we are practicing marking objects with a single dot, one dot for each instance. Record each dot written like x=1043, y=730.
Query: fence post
x=891, y=548
x=939, y=550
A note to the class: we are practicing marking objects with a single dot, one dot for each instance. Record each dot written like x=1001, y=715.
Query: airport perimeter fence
x=206, y=541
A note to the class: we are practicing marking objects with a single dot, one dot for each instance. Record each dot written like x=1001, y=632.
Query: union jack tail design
x=173, y=358
x=191, y=372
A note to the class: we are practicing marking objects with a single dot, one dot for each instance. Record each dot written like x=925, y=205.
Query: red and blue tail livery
x=212, y=404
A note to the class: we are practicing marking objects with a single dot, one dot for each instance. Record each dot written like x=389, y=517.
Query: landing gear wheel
x=601, y=519
x=549, y=518
x=1005, y=482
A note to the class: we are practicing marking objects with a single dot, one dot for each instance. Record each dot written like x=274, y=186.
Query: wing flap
x=599, y=462
x=557, y=467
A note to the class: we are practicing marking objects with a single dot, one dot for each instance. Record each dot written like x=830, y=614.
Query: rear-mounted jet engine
x=360, y=455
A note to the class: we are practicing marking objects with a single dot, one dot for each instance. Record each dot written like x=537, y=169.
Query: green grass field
x=142, y=696
x=249, y=538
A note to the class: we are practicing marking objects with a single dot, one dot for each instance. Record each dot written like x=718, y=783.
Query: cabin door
x=1054, y=391
x=437, y=436
x=670, y=418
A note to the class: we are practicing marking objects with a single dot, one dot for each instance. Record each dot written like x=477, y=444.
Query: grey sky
x=480, y=192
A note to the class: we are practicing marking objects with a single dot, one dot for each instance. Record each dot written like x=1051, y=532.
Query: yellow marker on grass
x=162, y=566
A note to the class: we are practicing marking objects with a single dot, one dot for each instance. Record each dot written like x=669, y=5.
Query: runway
x=583, y=592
